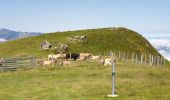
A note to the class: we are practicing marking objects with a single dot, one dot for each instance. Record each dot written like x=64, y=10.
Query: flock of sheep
x=64, y=59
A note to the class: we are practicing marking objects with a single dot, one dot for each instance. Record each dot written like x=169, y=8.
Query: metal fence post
x=113, y=81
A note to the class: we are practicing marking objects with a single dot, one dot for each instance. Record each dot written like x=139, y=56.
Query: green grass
x=99, y=40
x=86, y=81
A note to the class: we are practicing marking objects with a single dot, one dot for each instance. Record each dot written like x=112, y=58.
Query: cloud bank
x=162, y=45
x=2, y=40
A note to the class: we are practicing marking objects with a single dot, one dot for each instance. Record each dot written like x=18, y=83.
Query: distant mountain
x=6, y=34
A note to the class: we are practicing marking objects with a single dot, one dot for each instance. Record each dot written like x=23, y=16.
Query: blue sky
x=151, y=18
x=144, y=16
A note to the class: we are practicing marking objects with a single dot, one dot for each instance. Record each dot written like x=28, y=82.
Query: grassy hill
x=86, y=81
x=99, y=40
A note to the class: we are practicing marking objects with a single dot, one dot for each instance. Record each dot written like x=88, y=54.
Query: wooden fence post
x=150, y=59
x=161, y=61
x=107, y=52
x=136, y=58
x=133, y=57
x=99, y=54
x=155, y=60
x=124, y=55
x=141, y=59
x=110, y=53
x=145, y=59
x=119, y=54
x=158, y=61
x=164, y=62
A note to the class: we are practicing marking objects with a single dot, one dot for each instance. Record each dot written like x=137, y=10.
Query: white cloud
x=166, y=54
x=2, y=40
x=168, y=59
x=162, y=45
x=158, y=36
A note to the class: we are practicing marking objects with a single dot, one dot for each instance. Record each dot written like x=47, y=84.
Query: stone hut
x=45, y=45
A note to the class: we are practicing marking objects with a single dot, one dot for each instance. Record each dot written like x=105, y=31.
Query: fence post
x=164, y=62
x=133, y=57
x=150, y=59
x=145, y=59
x=124, y=54
x=110, y=53
x=154, y=60
x=99, y=54
x=127, y=58
x=136, y=58
x=119, y=54
x=113, y=81
x=141, y=59
x=161, y=61
x=158, y=61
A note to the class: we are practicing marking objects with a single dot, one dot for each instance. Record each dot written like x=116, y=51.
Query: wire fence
x=136, y=58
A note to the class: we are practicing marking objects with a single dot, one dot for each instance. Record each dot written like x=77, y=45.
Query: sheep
x=85, y=55
x=65, y=62
x=44, y=62
x=55, y=57
x=107, y=61
x=95, y=57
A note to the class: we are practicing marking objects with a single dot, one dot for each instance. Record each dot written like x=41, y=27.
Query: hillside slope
x=99, y=40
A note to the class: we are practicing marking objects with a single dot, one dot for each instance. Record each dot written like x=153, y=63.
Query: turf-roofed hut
x=45, y=45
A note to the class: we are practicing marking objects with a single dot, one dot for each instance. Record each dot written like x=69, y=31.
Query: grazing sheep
x=46, y=62
x=107, y=61
x=85, y=56
x=55, y=57
x=51, y=56
x=40, y=62
x=66, y=63
x=95, y=57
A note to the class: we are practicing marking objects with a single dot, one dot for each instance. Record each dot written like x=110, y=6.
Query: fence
x=10, y=64
x=149, y=59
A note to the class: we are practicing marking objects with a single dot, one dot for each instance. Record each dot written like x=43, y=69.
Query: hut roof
x=45, y=43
